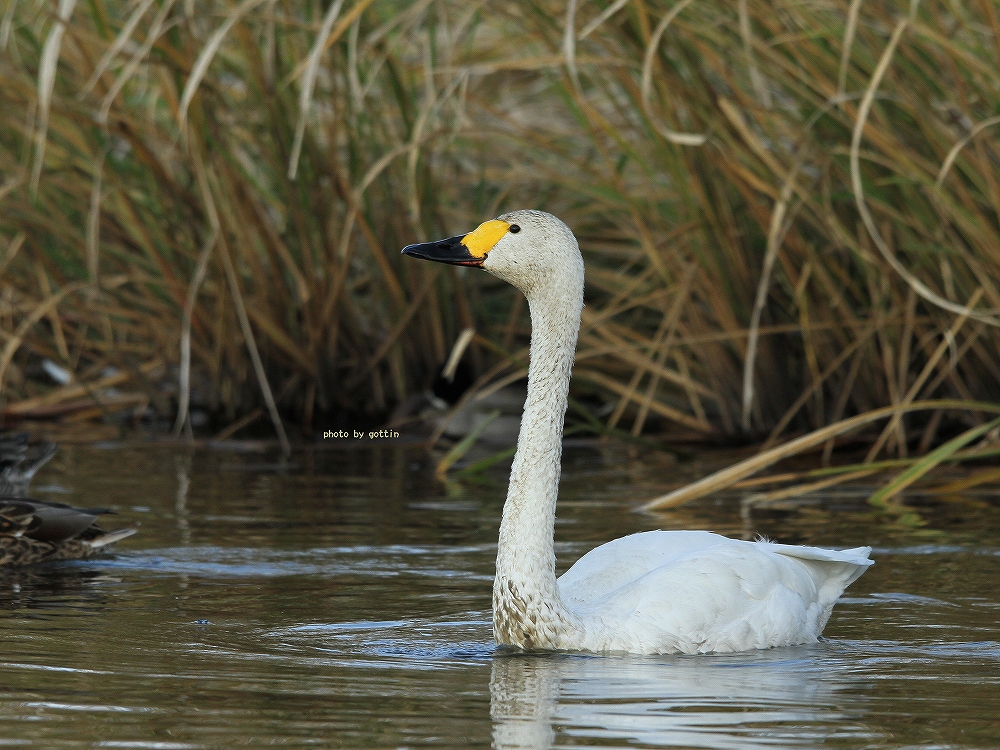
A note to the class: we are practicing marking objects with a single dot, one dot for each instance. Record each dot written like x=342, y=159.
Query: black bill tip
x=450, y=251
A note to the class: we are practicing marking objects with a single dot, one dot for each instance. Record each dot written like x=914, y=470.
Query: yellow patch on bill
x=482, y=239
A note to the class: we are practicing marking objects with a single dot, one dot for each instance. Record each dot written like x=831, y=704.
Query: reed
x=822, y=253
x=225, y=187
x=789, y=211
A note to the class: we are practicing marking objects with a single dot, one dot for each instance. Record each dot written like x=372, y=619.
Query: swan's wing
x=729, y=596
x=616, y=564
x=696, y=592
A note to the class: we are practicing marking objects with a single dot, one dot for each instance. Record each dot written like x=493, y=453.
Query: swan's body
x=654, y=592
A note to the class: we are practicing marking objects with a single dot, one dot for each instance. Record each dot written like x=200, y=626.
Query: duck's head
x=532, y=250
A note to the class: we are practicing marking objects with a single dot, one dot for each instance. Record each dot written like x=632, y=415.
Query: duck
x=20, y=460
x=653, y=592
x=493, y=413
x=33, y=531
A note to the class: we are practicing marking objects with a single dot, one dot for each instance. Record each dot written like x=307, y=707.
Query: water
x=342, y=601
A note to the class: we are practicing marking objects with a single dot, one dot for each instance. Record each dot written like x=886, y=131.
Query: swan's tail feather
x=832, y=570
x=855, y=556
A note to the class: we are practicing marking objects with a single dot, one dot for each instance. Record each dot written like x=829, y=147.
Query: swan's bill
x=466, y=250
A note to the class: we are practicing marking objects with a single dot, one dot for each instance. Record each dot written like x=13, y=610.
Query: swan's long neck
x=527, y=609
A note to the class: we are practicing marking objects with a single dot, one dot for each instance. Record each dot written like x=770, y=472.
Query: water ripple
x=378, y=562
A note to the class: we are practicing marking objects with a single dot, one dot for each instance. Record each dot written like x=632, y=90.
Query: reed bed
x=790, y=211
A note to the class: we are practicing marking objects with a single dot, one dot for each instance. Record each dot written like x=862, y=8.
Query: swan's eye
x=514, y=229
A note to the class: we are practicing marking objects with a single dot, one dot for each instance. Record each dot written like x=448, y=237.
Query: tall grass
x=790, y=211
x=816, y=256
x=215, y=203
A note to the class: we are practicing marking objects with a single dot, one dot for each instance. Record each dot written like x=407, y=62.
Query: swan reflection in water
x=785, y=697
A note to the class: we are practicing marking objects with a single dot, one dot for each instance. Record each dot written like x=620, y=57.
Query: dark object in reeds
x=790, y=211
x=20, y=460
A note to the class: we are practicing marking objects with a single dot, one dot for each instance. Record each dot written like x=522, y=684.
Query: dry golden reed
x=790, y=211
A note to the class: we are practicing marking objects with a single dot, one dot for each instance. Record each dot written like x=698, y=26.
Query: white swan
x=650, y=593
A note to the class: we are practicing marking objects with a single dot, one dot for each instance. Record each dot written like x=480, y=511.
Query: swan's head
x=532, y=250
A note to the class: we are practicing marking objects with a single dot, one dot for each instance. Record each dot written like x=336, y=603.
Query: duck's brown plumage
x=34, y=531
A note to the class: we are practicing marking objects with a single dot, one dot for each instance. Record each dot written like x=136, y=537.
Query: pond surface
x=342, y=600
